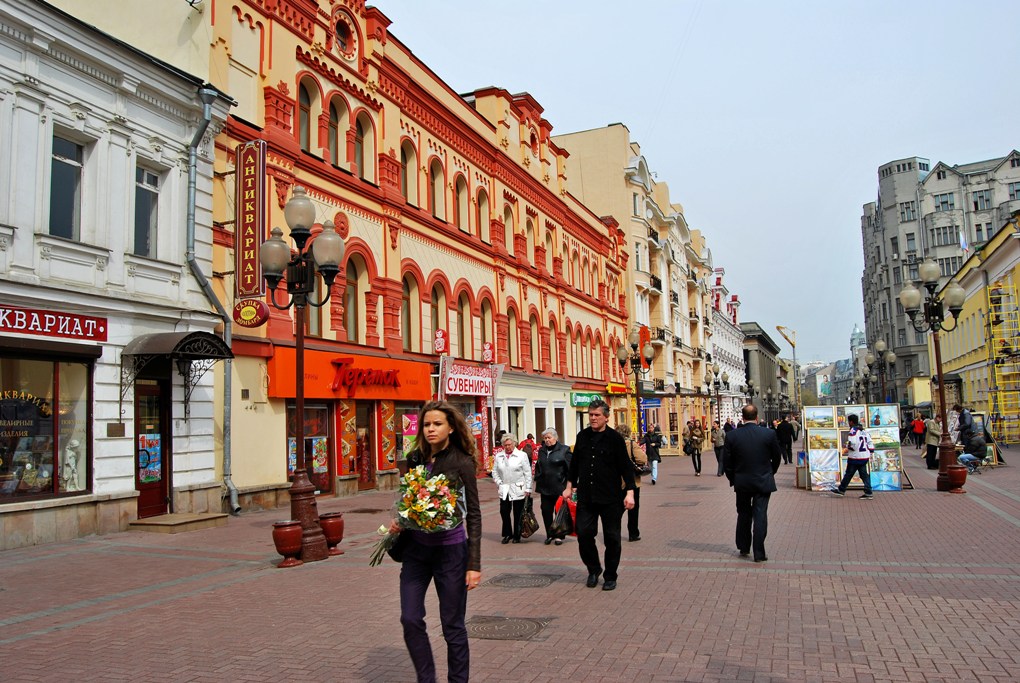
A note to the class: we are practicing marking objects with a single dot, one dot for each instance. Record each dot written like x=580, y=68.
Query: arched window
x=486, y=322
x=461, y=209
x=549, y=253
x=536, y=350
x=313, y=314
x=352, y=304
x=405, y=314
x=575, y=265
x=529, y=241
x=508, y=229
x=583, y=284
x=482, y=217
x=359, y=147
x=512, y=332
x=437, y=198
x=464, y=327
x=409, y=173
x=338, y=121
x=437, y=310
x=304, y=117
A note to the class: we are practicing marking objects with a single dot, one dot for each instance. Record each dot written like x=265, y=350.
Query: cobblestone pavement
x=911, y=586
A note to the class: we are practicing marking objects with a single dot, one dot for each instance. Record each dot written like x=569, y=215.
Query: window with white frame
x=945, y=235
x=944, y=201
x=950, y=265
x=982, y=200
x=146, y=212
x=66, y=178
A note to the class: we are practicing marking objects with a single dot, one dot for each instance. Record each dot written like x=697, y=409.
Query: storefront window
x=39, y=456
x=316, y=446
x=406, y=428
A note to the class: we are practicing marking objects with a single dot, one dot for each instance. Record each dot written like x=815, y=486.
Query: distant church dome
x=857, y=339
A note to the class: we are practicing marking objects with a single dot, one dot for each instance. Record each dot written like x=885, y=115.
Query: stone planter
x=332, y=524
x=287, y=537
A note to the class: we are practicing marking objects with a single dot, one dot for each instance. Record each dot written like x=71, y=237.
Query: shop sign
x=331, y=376
x=250, y=217
x=442, y=342
x=488, y=352
x=467, y=380
x=613, y=388
x=651, y=403
x=581, y=399
x=251, y=312
x=52, y=323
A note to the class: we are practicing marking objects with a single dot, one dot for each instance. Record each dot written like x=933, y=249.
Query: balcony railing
x=659, y=384
x=674, y=298
x=653, y=234
x=655, y=282
x=694, y=314
x=659, y=334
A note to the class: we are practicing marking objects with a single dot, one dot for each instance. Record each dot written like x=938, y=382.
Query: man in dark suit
x=752, y=457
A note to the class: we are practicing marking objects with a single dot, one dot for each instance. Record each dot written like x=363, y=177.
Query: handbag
x=640, y=470
x=563, y=518
x=529, y=523
x=396, y=551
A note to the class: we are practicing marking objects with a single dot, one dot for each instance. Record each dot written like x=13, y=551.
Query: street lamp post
x=633, y=363
x=770, y=405
x=932, y=318
x=299, y=268
x=718, y=381
x=883, y=357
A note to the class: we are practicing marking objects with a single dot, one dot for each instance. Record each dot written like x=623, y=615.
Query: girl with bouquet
x=452, y=557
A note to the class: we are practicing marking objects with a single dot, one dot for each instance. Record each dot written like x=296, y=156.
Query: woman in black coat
x=653, y=439
x=551, y=477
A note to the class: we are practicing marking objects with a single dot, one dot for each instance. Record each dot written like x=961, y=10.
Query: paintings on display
x=827, y=433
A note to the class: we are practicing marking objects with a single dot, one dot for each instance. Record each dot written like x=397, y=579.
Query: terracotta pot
x=332, y=524
x=287, y=537
x=957, y=477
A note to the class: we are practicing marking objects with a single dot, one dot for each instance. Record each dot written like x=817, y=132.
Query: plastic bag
x=563, y=518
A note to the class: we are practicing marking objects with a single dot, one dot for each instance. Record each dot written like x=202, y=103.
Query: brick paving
x=912, y=586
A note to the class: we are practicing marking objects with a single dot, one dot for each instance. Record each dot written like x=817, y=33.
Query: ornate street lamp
x=718, y=381
x=633, y=363
x=883, y=357
x=932, y=318
x=301, y=268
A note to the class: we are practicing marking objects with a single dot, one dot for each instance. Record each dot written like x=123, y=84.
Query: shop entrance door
x=152, y=458
x=365, y=428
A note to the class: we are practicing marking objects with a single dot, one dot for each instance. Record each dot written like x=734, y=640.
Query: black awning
x=189, y=346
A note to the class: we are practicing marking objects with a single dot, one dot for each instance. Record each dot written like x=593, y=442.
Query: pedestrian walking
x=795, y=425
x=511, y=470
x=551, y=478
x=751, y=453
x=917, y=431
x=858, y=449
x=653, y=441
x=932, y=437
x=784, y=432
x=718, y=441
x=604, y=476
x=637, y=455
x=452, y=558
x=695, y=434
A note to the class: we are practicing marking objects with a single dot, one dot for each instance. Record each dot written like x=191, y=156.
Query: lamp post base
x=304, y=509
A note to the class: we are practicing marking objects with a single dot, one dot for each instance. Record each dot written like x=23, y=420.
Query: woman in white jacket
x=512, y=473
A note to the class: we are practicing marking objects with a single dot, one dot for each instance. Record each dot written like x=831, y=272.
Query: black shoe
x=837, y=492
x=548, y=541
x=593, y=579
x=634, y=538
x=745, y=553
x=516, y=540
x=867, y=496
x=653, y=482
x=559, y=541
x=761, y=559
x=609, y=586
x=506, y=539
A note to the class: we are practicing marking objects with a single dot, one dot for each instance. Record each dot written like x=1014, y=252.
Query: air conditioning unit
x=895, y=257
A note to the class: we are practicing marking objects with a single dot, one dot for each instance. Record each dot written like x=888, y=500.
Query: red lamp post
x=299, y=268
x=933, y=318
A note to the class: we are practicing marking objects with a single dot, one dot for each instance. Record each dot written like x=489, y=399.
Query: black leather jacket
x=551, y=469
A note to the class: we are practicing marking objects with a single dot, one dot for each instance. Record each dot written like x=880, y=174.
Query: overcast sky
x=768, y=120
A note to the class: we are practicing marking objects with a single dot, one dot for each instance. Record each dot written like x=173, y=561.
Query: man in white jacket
x=511, y=471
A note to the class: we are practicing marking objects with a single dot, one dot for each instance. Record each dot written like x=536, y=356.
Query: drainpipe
x=208, y=96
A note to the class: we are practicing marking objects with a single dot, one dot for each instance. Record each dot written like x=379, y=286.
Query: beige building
x=668, y=272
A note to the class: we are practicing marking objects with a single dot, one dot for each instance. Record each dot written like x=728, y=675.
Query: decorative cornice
x=323, y=69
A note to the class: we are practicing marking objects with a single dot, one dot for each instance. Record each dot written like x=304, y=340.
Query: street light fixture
x=718, y=381
x=932, y=318
x=300, y=269
x=633, y=363
x=884, y=358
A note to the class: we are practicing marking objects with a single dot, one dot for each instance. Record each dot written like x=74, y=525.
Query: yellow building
x=981, y=355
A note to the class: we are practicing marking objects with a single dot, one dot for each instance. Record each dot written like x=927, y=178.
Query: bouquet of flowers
x=426, y=504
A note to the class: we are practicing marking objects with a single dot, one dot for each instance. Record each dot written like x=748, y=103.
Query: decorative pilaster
x=503, y=338
x=546, y=351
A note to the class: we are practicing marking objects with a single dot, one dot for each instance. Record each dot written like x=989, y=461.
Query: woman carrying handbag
x=512, y=473
x=640, y=460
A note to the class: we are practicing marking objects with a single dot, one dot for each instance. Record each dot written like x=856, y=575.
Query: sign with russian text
x=46, y=323
x=468, y=380
x=613, y=388
x=581, y=399
x=329, y=375
x=249, y=218
x=251, y=312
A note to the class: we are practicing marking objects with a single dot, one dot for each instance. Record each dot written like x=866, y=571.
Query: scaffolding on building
x=1004, y=358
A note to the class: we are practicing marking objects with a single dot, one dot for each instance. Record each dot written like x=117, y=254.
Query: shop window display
x=44, y=440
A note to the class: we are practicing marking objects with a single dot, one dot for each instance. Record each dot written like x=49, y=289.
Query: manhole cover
x=523, y=580
x=365, y=511
x=679, y=504
x=505, y=628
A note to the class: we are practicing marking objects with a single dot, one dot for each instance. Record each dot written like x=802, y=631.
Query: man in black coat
x=604, y=476
x=784, y=432
x=752, y=456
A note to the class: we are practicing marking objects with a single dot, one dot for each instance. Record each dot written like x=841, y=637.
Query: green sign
x=580, y=399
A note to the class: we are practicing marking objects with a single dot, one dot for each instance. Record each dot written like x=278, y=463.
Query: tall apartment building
x=924, y=210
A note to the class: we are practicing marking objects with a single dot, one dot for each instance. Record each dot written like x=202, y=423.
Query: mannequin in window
x=69, y=476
